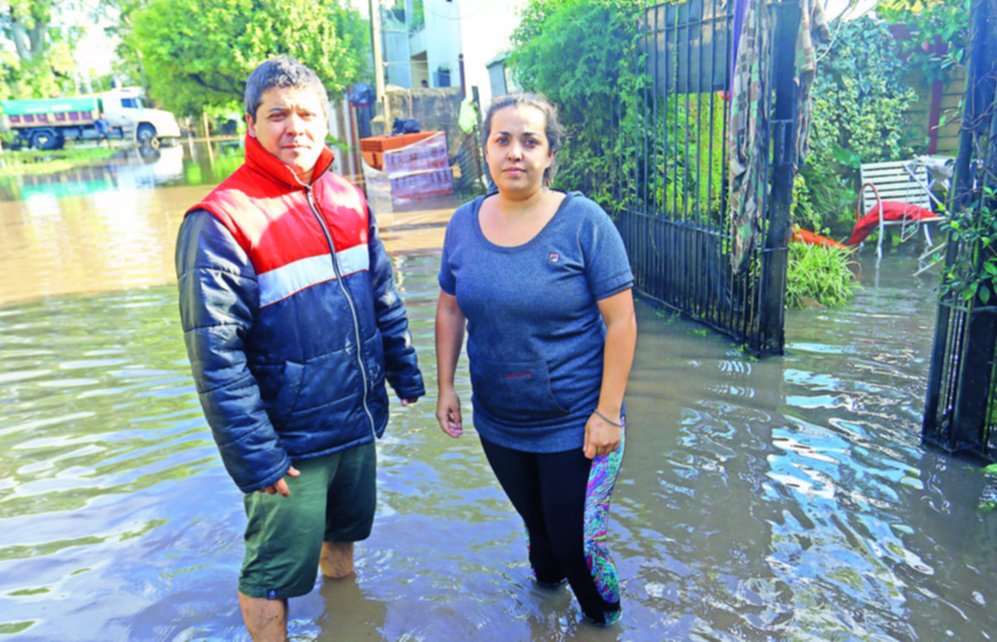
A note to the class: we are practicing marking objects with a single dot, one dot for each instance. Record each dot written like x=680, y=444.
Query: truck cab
x=124, y=109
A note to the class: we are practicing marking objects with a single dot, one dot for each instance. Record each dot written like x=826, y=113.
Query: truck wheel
x=47, y=139
x=145, y=133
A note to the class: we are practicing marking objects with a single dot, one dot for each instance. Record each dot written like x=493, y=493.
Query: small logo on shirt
x=553, y=257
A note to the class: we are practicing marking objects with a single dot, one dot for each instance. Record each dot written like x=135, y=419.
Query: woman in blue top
x=541, y=280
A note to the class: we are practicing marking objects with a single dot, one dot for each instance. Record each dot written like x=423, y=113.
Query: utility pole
x=375, y=45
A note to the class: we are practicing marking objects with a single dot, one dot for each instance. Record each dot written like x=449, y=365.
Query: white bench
x=905, y=181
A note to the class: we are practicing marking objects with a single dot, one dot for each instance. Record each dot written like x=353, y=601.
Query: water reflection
x=112, y=225
x=106, y=226
x=777, y=499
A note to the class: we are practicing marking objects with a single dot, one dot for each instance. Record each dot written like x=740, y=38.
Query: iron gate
x=673, y=189
x=960, y=414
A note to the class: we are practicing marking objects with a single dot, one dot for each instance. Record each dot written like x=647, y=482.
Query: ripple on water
x=781, y=498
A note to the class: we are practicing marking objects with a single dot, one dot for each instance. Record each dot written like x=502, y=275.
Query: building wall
x=414, y=56
x=442, y=39
x=435, y=109
x=396, y=53
x=486, y=26
x=920, y=113
x=496, y=77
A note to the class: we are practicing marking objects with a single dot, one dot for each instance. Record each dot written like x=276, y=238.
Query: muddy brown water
x=785, y=498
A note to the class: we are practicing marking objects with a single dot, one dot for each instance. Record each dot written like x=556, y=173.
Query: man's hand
x=280, y=487
x=409, y=402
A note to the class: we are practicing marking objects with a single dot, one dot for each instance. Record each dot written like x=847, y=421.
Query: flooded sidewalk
x=94, y=231
x=785, y=498
x=418, y=227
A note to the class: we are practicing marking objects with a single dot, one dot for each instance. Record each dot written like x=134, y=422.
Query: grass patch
x=10, y=628
x=819, y=276
x=31, y=161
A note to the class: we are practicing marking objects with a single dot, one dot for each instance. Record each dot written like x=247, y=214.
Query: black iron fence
x=961, y=404
x=673, y=188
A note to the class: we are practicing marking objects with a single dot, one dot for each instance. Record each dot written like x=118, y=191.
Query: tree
x=939, y=33
x=860, y=102
x=37, y=57
x=196, y=55
x=597, y=37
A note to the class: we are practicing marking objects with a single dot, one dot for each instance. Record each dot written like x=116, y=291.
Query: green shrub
x=802, y=209
x=972, y=278
x=943, y=22
x=680, y=159
x=859, y=112
x=597, y=37
x=819, y=275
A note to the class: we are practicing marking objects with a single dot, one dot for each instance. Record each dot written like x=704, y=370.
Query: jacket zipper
x=349, y=300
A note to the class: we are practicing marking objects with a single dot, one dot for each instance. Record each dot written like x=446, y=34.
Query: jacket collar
x=260, y=160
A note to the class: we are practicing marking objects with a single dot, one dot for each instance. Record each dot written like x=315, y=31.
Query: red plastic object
x=372, y=149
x=892, y=211
x=812, y=238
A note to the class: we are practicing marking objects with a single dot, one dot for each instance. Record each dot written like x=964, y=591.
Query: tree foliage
x=579, y=54
x=939, y=33
x=37, y=57
x=195, y=55
x=860, y=106
x=973, y=279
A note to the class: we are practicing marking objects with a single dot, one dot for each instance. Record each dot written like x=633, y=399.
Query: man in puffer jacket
x=292, y=324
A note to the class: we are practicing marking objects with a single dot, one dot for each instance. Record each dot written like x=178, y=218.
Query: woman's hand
x=448, y=413
x=450, y=324
x=603, y=433
x=601, y=437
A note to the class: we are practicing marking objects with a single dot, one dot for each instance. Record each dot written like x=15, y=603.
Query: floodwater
x=785, y=498
x=111, y=226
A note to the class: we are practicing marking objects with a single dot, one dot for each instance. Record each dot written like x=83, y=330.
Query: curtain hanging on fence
x=748, y=131
x=814, y=32
x=747, y=142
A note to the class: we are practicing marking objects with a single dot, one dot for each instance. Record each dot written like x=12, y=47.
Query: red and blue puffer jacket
x=291, y=317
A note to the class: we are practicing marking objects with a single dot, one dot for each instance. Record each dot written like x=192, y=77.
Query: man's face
x=291, y=124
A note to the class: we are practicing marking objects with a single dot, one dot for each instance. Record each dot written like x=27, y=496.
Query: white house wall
x=396, y=54
x=487, y=26
x=410, y=57
x=442, y=38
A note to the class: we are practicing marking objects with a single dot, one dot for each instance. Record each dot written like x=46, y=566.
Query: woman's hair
x=280, y=72
x=553, y=130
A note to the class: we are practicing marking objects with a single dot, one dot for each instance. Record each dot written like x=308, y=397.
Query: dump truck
x=47, y=123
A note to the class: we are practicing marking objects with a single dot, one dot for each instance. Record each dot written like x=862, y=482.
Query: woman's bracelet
x=608, y=420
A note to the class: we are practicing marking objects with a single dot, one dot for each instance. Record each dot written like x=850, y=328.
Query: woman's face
x=517, y=150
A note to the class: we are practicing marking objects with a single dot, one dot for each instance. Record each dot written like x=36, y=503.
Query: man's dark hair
x=282, y=71
x=552, y=130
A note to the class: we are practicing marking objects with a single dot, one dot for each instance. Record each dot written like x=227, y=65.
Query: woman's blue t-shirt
x=535, y=335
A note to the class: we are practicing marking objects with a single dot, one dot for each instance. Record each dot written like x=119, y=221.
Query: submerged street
x=781, y=498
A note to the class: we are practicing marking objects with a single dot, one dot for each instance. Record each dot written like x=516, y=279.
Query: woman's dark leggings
x=564, y=499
